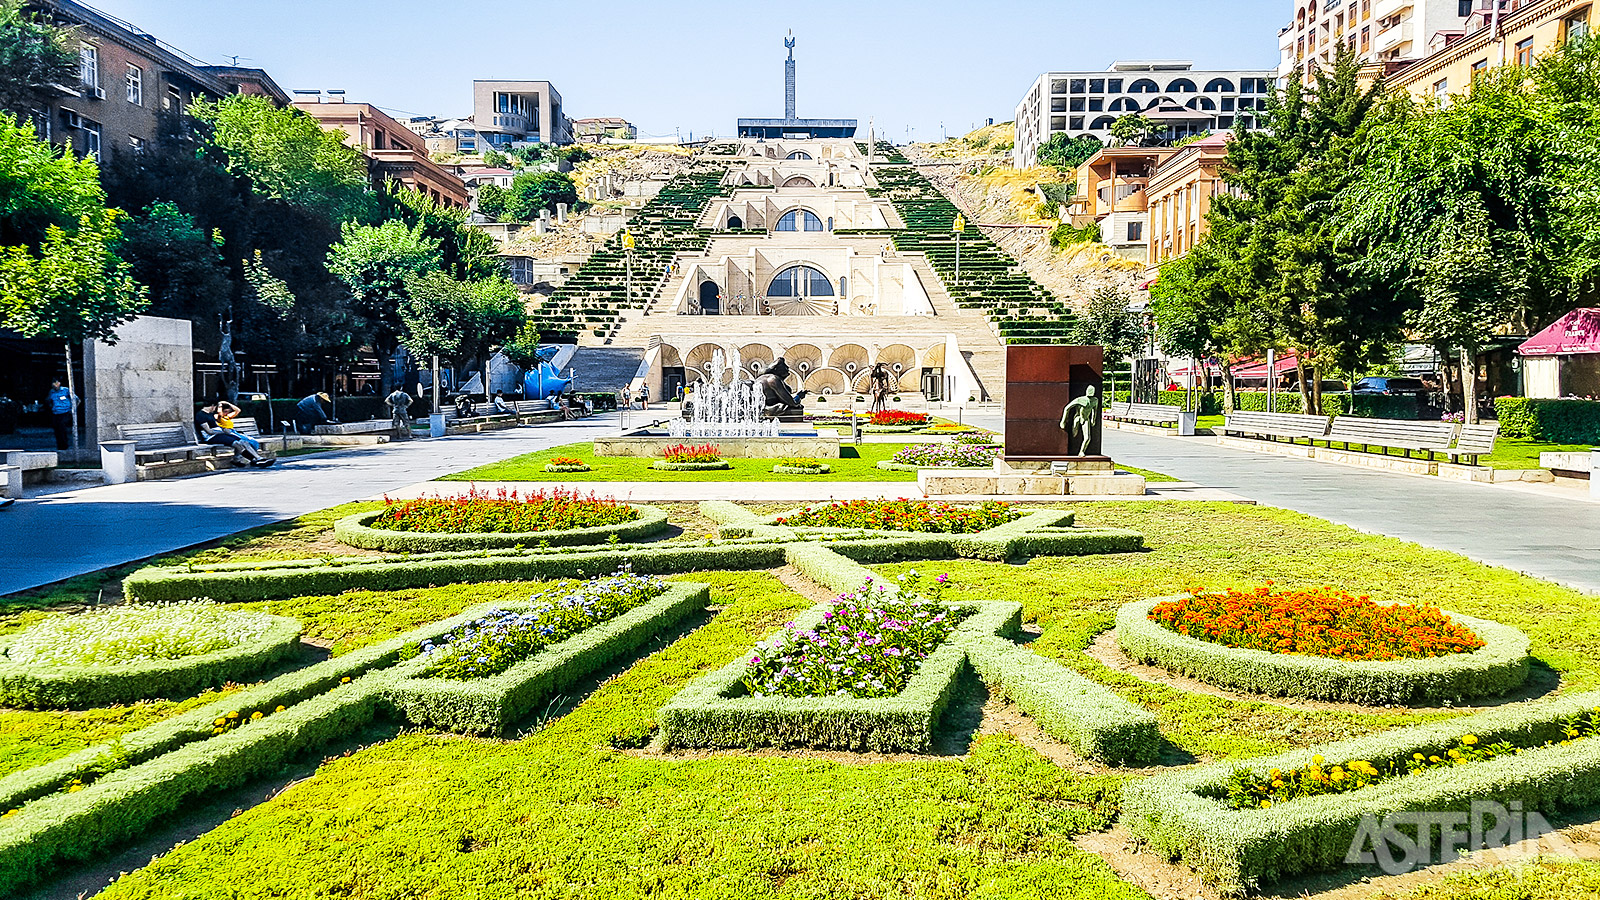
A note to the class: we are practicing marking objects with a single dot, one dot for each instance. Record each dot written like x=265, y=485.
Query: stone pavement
x=72, y=532
x=1545, y=534
x=792, y=490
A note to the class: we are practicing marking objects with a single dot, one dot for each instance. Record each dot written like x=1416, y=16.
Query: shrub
x=502, y=638
x=1318, y=622
x=960, y=455
x=981, y=438
x=692, y=453
x=1556, y=421
x=899, y=417
x=355, y=531
x=502, y=512
x=801, y=466
x=1371, y=406
x=1500, y=665
x=905, y=515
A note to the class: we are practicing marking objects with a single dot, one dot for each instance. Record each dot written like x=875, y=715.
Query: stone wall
x=146, y=376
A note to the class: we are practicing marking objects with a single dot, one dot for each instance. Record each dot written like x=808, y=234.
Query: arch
x=849, y=359
x=803, y=359
x=1102, y=123
x=798, y=181
x=1219, y=85
x=827, y=381
x=1202, y=103
x=735, y=223
x=798, y=219
x=1144, y=86
x=698, y=363
x=1180, y=86
x=798, y=154
x=1124, y=103
x=755, y=358
x=670, y=357
x=799, y=281
x=933, y=356
x=710, y=299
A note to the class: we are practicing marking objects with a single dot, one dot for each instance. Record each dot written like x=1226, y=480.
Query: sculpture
x=880, y=384
x=1081, y=416
x=777, y=402
x=399, y=403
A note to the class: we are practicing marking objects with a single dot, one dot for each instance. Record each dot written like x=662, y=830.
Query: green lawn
x=855, y=464
x=1518, y=454
x=560, y=812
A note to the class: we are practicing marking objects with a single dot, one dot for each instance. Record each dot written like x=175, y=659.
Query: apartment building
x=1386, y=32
x=595, y=130
x=1172, y=93
x=1178, y=196
x=1112, y=193
x=508, y=112
x=129, y=83
x=1519, y=32
x=396, y=153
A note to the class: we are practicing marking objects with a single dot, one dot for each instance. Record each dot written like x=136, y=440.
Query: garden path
x=1543, y=534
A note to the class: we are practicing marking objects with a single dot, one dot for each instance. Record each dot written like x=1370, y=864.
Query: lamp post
x=958, y=226
x=627, y=245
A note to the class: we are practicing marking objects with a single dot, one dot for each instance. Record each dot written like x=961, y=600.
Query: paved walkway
x=69, y=533
x=795, y=490
x=1541, y=533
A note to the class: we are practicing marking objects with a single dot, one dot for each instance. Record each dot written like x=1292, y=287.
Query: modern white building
x=1378, y=31
x=1172, y=93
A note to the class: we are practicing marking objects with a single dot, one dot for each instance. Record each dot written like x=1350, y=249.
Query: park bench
x=247, y=426
x=1145, y=413
x=162, y=442
x=1275, y=425
x=478, y=422
x=1474, y=441
x=1400, y=434
x=17, y=465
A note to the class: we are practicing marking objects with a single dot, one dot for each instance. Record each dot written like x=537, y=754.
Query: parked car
x=1393, y=386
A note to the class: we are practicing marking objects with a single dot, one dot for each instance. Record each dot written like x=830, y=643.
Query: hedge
x=669, y=466
x=715, y=711
x=492, y=705
x=1091, y=718
x=1556, y=421
x=1372, y=406
x=356, y=531
x=1181, y=815
x=35, y=686
x=1206, y=404
x=802, y=470
x=894, y=429
x=1499, y=666
x=552, y=467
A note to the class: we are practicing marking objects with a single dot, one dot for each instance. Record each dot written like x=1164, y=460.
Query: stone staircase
x=604, y=369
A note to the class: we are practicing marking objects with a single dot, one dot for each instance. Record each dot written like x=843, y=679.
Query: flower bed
x=943, y=456
x=566, y=464
x=502, y=512
x=801, y=466
x=1500, y=665
x=692, y=453
x=640, y=522
x=123, y=653
x=1187, y=815
x=904, y=515
x=1318, y=622
x=899, y=417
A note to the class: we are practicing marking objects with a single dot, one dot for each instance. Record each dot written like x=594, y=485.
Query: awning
x=1283, y=362
x=1576, y=332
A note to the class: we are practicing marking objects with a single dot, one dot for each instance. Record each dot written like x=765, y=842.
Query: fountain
x=729, y=415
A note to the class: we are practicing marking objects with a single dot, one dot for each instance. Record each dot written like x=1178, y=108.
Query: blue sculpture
x=543, y=381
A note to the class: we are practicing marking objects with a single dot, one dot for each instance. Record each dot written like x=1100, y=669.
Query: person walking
x=644, y=396
x=62, y=406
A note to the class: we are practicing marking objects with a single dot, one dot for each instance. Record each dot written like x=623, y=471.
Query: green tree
x=534, y=191
x=287, y=155
x=493, y=201
x=522, y=348
x=1065, y=152
x=1132, y=130
x=496, y=159
x=459, y=320
x=466, y=252
x=1108, y=321
x=34, y=54
x=180, y=265
x=375, y=263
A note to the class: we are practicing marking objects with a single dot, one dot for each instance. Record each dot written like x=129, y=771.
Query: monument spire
x=788, y=78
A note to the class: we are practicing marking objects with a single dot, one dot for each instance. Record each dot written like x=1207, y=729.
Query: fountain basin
x=813, y=443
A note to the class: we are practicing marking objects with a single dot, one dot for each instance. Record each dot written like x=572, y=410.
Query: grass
x=1520, y=454
x=1148, y=475
x=855, y=464
x=561, y=812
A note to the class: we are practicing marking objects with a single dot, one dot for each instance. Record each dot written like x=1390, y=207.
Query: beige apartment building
x=508, y=112
x=396, y=153
x=1522, y=31
x=1389, y=32
x=1179, y=195
x=1112, y=192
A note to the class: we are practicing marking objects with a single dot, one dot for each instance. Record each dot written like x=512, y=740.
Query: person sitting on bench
x=308, y=413
x=464, y=407
x=209, y=431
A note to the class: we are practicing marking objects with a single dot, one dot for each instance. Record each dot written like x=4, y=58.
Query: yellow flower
x=279, y=709
x=1417, y=756
x=234, y=714
x=1469, y=739
x=9, y=812
x=1317, y=759
x=1433, y=759
x=255, y=715
x=1455, y=754
x=1277, y=785
x=74, y=787
x=221, y=722
x=1276, y=774
x=1266, y=804
x=1337, y=775
x=345, y=680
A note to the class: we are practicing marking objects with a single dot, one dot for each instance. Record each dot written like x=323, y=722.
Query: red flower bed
x=899, y=417
x=905, y=515
x=692, y=453
x=1316, y=622
x=503, y=512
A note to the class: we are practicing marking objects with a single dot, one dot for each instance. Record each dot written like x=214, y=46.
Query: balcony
x=1392, y=37
x=1383, y=9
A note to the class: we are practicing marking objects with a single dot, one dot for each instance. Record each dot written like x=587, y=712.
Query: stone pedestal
x=1084, y=476
x=118, y=462
x=11, y=481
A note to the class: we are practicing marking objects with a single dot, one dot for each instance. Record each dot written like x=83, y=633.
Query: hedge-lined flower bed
x=357, y=531
x=566, y=464
x=942, y=456
x=801, y=466
x=501, y=638
x=899, y=417
x=502, y=512
x=1500, y=665
x=124, y=653
x=1317, y=622
x=904, y=515
x=1185, y=815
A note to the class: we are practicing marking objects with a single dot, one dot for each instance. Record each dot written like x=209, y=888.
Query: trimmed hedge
x=669, y=466
x=889, y=465
x=35, y=686
x=715, y=711
x=357, y=531
x=1372, y=406
x=552, y=467
x=802, y=470
x=1181, y=815
x=1556, y=421
x=492, y=705
x=1499, y=666
x=1088, y=716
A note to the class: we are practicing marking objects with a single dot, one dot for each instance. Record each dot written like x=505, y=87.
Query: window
x=1366, y=38
x=91, y=139
x=1441, y=87
x=1058, y=123
x=1102, y=123
x=1524, y=52
x=1224, y=121
x=1058, y=86
x=1181, y=85
x=1077, y=123
x=1077, y=104
x=1463, y=8
x=1135, y=231
x=89, y=65
x=1366, y=9
x=174, y=99
x=1114, y=86
x=1227, y=104
x=799, y=220
x=1577, y=26
x=135, y=85
x=800, y=281
x=1059, y=104
x=1144, y=86
x=1479, y=66
x=135, y=143
x=1077, y=85
x=1097, y=104
x=1219, y=86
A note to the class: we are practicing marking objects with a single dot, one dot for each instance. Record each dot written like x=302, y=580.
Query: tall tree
x=1065, y=152
x=535, y=191
x=1108, y=321
x=35, y=54
x=459, y=320
x=375, y=263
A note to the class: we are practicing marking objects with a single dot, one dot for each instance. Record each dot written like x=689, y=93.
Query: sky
x=681, y=68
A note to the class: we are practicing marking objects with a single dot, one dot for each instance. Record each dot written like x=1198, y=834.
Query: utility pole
x=958, y=226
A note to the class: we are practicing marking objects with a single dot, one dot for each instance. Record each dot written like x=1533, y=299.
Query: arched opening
x=1202, y=103
x=799, y=220
x=1102, y=123
x=1181, y=86
x=1144, y=86
x=830, y=223
x=710, y=299
x=798, y=154
x=735, y=223
x=799, y=181
x=1219, y=85
x=800, y=290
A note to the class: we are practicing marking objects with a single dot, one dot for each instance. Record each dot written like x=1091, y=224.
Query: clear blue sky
x=698, y=66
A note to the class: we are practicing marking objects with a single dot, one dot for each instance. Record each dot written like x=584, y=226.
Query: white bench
x=1146, y=413
x=1474, y=441
x=1276, y=425
x=246, y=426
x=1401, y=434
